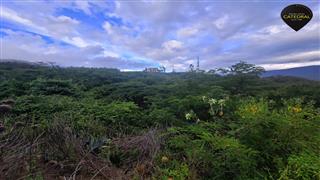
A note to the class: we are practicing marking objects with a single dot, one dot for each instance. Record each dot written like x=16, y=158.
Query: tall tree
x=246, y=68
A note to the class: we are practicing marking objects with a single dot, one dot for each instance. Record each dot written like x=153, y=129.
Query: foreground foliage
x=104, y=124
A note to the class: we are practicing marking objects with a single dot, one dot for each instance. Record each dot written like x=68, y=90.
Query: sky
x=133, y=35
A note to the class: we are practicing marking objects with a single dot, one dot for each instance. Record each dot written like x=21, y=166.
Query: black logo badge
x=296, y=16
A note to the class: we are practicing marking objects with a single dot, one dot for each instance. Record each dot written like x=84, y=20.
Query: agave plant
x=216, y=105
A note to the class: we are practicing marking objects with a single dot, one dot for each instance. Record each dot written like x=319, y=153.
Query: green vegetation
x=87, y=123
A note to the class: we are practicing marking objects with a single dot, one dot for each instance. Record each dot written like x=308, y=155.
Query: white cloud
x=172, y=45
x=60, y=27
x=77, y=41
x=84, y=6
x=11, y=15
x=273, y=29
x=25, y=46
x=288, y=65
x=108, y=27
x=65, y=19
x=111, y=54
x=301, y=56
x=221, y=22
x=187, y=32
x=167, y=32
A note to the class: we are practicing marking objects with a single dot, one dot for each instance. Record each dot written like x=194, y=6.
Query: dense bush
x=52, y=87
x=207, y=154
x=85, y=122
x=302, y=166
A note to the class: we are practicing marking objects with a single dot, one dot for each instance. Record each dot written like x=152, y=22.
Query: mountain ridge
x=306, y=72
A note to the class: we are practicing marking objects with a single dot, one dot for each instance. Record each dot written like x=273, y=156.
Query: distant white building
x=152, y=70
x=155, y=70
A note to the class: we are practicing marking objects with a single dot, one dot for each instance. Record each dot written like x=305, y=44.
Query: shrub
x=303, y=167
x=278, y=133
x=208, y=154
x=52, y=87
x=161, y=117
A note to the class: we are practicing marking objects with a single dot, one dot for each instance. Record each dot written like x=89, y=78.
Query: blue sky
x=132, y=35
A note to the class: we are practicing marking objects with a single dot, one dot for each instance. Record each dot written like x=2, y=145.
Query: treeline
x=103, y=123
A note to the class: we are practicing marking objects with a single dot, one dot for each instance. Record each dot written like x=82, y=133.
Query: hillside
x=307, y=72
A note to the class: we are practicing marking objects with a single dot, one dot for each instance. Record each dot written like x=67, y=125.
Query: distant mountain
x=307, y=72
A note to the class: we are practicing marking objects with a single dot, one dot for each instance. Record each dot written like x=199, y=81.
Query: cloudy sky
x=132, y=35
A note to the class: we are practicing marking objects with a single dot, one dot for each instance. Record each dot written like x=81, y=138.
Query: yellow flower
x=253, y=109
x=296, y=109
x=164, y=159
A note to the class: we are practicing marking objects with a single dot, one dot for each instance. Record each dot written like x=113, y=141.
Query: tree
x=191, y=68
x=223, y=70
x=162, y=69
x=212, y=71
x=243, y=76
x=246, y=68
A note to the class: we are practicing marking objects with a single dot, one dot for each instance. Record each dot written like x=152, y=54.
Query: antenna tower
x=198, y=64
